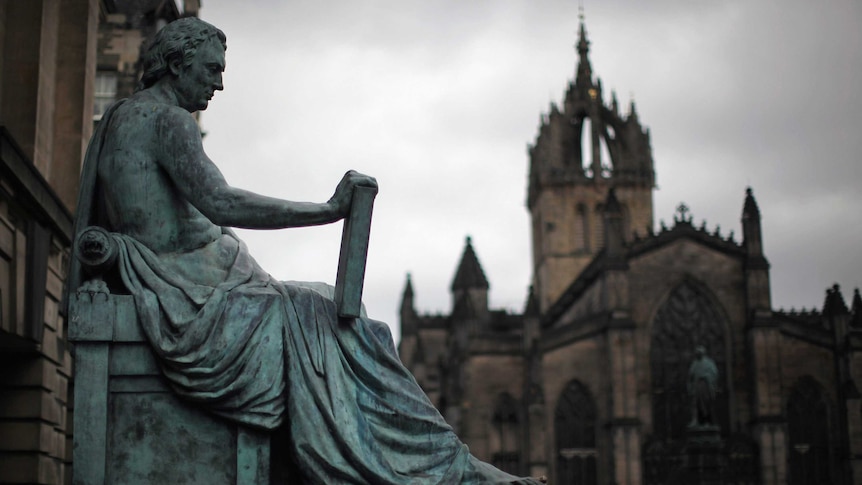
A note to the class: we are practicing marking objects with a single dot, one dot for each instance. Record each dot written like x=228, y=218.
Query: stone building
x=49, y=54
x=124, y=28
x=47, y=60
x=589, y=383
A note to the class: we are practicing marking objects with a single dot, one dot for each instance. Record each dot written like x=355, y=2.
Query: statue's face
x=197, y=83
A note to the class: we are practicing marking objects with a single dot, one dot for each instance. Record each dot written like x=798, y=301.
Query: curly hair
x=179, y=39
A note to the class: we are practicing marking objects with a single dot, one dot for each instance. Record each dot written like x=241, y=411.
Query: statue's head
x=180, y=41
x=700, y=351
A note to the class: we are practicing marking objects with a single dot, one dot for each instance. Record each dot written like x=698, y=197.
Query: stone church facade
x=588, y=384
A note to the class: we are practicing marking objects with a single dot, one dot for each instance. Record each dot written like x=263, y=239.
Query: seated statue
x=229, y=337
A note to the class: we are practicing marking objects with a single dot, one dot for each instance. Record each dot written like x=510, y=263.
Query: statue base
x=705, y=462
x=703, y=435
x=130, y=428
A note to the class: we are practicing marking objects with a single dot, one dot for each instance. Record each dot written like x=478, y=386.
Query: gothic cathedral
x=641, y=356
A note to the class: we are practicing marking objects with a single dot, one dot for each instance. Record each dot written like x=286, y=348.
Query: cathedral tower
x=581, y=153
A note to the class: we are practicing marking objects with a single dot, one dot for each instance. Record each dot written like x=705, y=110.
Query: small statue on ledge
x=702, y=387
x=227, y=336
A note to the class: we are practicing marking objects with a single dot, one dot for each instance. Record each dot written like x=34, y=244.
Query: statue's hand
x=344, y=191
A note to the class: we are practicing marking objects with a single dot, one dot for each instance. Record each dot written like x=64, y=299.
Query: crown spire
x=585, y=71
x=583, y=43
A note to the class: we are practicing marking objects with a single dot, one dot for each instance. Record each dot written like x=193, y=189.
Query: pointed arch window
x=593, y=138
x=575, y=430
x=810, y=454
x=686, y=320
x=505, y=442
x=586, y=141
x=581, y=229
x=598, y=228
x=607, y=161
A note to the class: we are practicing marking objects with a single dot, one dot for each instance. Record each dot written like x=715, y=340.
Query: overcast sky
x=440, y=99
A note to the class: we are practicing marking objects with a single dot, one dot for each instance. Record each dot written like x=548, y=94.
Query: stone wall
x=47, y=66
x=35, y=412
x=35, y=429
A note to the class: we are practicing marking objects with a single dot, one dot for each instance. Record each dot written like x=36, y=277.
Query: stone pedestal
x=130, y=428
x=705, y=461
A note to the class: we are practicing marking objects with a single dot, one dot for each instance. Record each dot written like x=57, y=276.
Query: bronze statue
x=226, y=334
x=702, y=386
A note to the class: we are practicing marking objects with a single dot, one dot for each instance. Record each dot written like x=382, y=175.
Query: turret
x=470, y=287
x=838, y=318
x=615, y=288
x=856, y=310
x=407, y=310
x=756, y=265
x=751, y=233
x=833, y=304
x=409, y=349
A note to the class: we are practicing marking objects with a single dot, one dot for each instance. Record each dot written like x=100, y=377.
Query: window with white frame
x=105, y=93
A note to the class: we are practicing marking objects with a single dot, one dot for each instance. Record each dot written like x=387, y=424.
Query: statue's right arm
x=203, y=185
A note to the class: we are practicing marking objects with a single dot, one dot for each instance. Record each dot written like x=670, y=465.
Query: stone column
x=73, y=115
x=21, y=71
x=770, y=429
x=624, y=426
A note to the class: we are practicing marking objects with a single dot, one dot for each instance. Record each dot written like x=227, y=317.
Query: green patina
x=190, y=357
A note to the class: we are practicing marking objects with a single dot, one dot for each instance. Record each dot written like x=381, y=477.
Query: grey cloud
x=440, y=99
